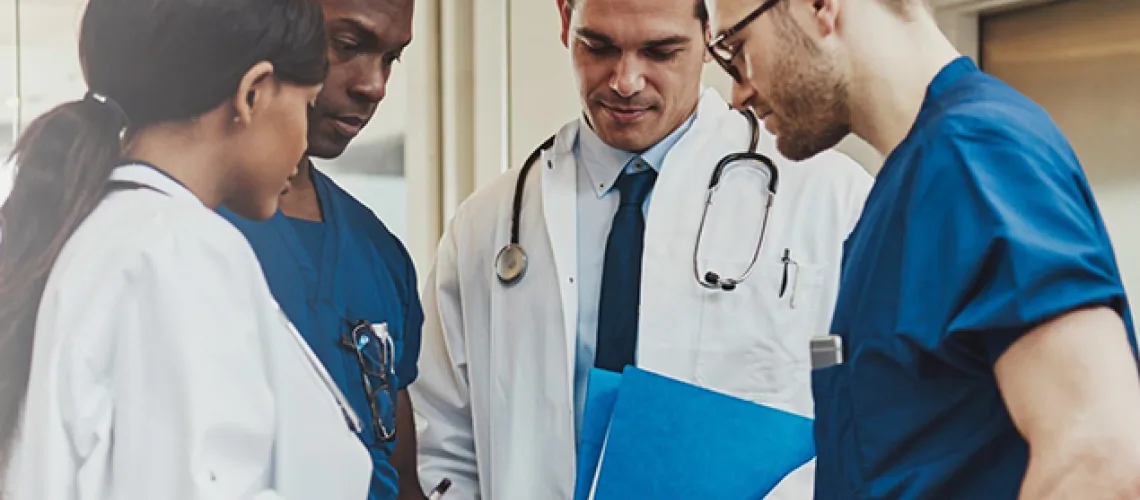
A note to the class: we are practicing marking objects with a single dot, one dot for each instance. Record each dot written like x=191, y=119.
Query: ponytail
x=63, y=163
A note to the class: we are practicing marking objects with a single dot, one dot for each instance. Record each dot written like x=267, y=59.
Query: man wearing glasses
x=982, y=340
x=609, y=218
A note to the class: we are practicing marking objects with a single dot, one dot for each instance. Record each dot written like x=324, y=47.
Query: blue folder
x=667, y=439
x=601, y=394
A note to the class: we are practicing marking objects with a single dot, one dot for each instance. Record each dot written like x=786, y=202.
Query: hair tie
x=110, y=103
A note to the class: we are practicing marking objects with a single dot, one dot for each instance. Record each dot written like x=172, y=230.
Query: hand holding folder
x=668, y=439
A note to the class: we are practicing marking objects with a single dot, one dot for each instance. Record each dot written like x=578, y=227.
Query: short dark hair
x=700, y=10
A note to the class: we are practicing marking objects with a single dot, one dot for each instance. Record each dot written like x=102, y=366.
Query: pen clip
x=786, y=259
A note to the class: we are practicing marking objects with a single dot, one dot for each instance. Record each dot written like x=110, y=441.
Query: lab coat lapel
x=671, y=298
x=560, y=210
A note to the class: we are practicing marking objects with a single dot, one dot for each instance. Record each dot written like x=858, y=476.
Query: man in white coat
x=504, y=366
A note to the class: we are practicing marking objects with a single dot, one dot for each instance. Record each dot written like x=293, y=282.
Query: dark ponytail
x=157, y=61
x=64, y=159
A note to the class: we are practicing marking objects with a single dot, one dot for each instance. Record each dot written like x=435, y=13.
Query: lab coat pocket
x=754, y=339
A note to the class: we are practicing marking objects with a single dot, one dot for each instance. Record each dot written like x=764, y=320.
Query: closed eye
x=345, y=44
x=599, y=49
x=662, y=54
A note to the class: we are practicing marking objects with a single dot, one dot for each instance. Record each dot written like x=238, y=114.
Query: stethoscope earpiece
x=714, y=279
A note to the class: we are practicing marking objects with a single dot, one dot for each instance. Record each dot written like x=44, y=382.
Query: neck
x=303, y=179
x=886, y=103
x=182, y=155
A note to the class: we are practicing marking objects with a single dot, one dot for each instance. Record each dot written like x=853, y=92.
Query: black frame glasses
x=725, y=54
x=376, y=357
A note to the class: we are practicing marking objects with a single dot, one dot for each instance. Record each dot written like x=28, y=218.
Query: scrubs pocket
x=370, y=355
x=836, y=460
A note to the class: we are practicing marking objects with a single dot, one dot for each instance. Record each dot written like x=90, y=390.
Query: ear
x=564, y=11
x=708, y=41
x=253, y=91
x=826, y=15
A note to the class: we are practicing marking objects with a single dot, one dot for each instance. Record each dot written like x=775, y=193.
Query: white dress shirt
x=599, y=166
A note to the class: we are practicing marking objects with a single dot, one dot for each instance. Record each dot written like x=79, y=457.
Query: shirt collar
x=604, y=163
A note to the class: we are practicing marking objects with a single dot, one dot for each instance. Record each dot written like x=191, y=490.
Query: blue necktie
x=621, y=274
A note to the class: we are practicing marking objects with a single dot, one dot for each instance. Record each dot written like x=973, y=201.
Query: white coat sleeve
x=193, y=409
x=441, y=397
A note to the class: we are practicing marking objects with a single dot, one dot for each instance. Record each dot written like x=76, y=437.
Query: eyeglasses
x=725, y=54
x=375, y=352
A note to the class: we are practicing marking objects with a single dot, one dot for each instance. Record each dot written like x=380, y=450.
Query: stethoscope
x=511, y=261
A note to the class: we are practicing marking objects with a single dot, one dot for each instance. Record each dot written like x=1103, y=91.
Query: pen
x=787, y=259
x=441, y=488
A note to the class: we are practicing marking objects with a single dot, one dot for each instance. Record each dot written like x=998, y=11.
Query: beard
x=809, y=97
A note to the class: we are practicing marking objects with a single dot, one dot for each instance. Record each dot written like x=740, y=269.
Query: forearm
x=404, y=457
x=1072, y=389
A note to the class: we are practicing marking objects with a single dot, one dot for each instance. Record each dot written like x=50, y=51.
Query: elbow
x=1125, y=459
x=1097, y=465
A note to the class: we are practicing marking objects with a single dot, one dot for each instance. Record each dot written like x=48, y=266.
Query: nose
x=371, y=84
x=741, y=94
x=628, y=78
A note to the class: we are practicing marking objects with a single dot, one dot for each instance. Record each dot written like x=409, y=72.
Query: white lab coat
x=496, y=369
x=163, y=368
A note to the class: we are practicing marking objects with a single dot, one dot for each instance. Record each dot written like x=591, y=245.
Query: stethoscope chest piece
x=510, y=264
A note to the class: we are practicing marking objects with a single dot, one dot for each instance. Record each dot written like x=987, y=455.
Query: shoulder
x=148, y=237
x=363, y=218
x=998, y=140
x=483, y=208
x=192, y=233
x=989, y=115
x=349, y=204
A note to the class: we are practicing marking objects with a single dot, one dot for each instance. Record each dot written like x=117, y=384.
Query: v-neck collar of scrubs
x=319, y=276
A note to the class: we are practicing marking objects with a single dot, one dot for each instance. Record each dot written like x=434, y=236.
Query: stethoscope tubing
x=711, y=280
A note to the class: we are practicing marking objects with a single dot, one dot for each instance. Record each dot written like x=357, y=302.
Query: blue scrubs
x=329, y=275
x=981, y=226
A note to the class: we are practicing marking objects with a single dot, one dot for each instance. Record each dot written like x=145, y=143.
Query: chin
x=326, y=149
x=795, y=150
x=804, y=146
x=626, y=140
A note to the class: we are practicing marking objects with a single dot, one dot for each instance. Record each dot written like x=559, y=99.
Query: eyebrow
x=352, y=23
x=592, y=35
x=367, y=30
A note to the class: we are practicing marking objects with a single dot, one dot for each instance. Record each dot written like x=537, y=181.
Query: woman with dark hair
x=141, y=352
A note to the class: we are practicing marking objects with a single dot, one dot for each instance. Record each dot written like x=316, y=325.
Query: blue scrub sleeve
x=1010, y=221
x=407, y=369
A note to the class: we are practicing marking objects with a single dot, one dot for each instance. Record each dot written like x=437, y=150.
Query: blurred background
x=486, y=80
